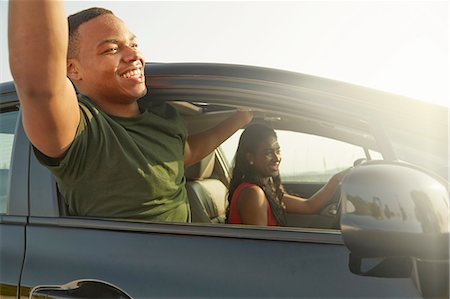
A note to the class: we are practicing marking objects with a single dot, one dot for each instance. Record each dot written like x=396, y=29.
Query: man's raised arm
x=38, y=41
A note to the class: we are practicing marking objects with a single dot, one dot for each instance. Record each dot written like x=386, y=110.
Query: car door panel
x=152, y=264
x=12, y=250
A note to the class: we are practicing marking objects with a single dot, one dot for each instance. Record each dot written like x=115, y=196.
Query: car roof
x=314, y=103
x=191, y=81
x=303, y=96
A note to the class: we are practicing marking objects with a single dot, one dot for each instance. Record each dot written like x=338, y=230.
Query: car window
x=8, y=122
x=427, y=151
x=307, y=158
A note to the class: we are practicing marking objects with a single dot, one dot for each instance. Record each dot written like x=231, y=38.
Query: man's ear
x=73, y=71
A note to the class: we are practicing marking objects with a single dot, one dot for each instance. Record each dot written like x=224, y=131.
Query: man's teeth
x=132, y=74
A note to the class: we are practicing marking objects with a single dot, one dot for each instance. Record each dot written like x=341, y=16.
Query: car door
x=187, y=261
x=164, y=260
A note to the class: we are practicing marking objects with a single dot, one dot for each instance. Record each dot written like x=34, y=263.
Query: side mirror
x=399, y=215
x=84, y=288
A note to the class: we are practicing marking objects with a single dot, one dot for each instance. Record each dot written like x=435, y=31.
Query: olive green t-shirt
x=125, y=167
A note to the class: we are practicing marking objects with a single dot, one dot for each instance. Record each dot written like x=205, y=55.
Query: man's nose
x=131, y=54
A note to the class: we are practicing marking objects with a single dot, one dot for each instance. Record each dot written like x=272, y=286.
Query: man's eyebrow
x=114, y=41
x=108, y=41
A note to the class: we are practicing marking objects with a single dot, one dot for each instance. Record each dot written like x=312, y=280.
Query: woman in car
x=256, y=195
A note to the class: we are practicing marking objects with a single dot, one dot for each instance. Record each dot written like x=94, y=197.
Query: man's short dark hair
x=76, y=20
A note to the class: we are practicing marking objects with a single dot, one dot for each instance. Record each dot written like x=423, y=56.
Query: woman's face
x=266, y=158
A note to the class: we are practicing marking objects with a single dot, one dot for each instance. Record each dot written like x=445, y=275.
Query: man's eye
x=111, y=50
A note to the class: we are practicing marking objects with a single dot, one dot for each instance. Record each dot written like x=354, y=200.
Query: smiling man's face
x=110, y=68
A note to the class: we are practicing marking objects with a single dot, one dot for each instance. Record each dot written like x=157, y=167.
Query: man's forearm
x=38, y=40
x=203, y=143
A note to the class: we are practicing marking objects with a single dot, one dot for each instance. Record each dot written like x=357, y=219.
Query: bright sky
x=401, y=46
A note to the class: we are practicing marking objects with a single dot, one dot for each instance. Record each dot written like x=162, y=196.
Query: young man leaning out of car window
x=110, y=157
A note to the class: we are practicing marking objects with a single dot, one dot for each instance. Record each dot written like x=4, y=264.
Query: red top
x=234, y=218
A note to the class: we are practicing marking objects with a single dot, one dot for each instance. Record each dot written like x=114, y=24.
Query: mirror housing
x=392, y=209
x=395, y=222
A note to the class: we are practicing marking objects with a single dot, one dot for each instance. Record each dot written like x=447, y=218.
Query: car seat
x=207, y=196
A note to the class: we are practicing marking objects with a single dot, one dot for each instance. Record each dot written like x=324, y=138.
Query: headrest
x=202, y=169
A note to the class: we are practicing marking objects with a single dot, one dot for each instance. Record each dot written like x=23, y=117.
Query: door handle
x=82, y=288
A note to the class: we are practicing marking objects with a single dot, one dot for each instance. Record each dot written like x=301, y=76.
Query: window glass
x=310, y=158
x=7, y=127
x=375, y=155
x=306, y=158
x=428, y=151
x=229, y=147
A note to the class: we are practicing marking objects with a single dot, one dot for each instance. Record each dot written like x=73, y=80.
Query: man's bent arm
x=38, y=41
x=200, y=145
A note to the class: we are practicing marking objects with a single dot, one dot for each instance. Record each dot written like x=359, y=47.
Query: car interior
x=207, y=181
